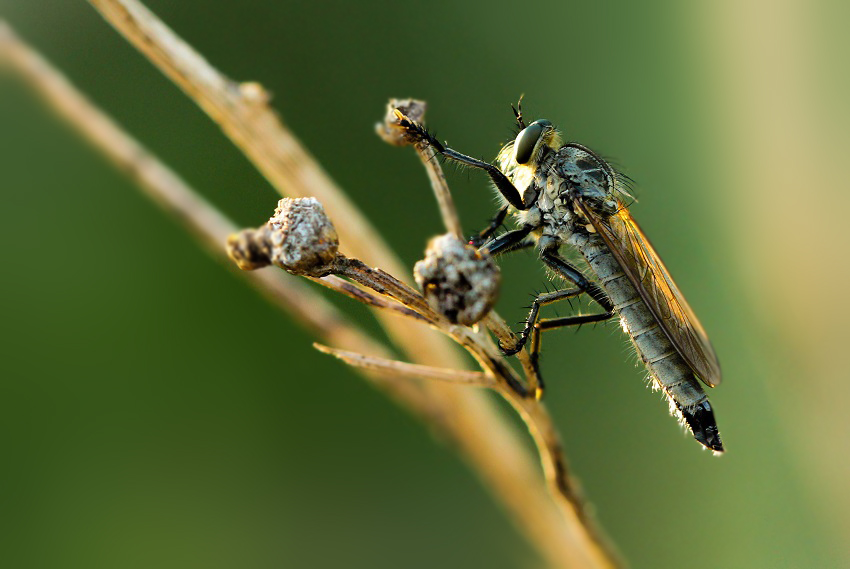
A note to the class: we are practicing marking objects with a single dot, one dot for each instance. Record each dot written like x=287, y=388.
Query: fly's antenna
x=518, y=112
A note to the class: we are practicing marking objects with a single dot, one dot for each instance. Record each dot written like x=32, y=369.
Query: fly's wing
x=648, y=274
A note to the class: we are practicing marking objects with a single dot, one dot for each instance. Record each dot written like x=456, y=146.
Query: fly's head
x=521, y=158
x=533, y=141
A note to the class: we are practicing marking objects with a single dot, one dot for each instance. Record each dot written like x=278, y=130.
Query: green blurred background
x=155, y=412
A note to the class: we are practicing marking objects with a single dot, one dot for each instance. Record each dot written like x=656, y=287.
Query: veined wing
x=650, y=277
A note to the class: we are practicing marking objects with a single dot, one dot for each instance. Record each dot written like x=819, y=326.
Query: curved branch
x=491, y=446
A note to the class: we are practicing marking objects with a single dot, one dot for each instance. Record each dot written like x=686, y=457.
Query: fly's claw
x=476, y=241
x=415, y=132
x=512, y=351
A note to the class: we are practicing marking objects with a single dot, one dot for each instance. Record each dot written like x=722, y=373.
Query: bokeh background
x=155, y=411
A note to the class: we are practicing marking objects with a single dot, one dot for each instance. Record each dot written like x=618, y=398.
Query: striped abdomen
x=667, y=368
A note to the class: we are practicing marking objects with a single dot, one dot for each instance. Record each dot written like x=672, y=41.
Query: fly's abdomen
x=667, y=368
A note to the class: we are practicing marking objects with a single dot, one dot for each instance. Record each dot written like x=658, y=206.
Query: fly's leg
x=532, y=329
x=495, y=224
x=417, y=133
x=510, y=241
x=552, y=323
x=554, y=261
x=534, y=326
x=533, y=322
x=507, y=243
x=550, y=257
x=518, y=246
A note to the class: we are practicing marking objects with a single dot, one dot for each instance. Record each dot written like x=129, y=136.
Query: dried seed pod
x=459, y=281
x=298, y=238
x=390, y=130
x=250, y=248
x=303, y=239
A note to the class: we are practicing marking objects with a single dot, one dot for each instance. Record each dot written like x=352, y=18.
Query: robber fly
x=565, y=194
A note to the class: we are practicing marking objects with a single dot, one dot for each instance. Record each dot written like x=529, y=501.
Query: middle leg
x=534, y=326
x=558, y=264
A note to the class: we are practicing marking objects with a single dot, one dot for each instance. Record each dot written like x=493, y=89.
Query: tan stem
x=489, y=444
x=395, y=368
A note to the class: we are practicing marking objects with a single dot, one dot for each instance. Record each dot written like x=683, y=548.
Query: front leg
x=510, y=241
x=478, y=240
x=417, y=133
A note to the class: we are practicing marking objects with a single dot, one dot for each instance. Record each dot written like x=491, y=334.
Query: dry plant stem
x=441, y=189
x=477, y=345
x=491, y=446
x=350, y=290
x=496, y=324
x=534, y=414
x=176, y=197
x=243, y=113
x=488, y=444
x=501, y=378
x=451, y=220
x=395, y=368
x=546, y=437
x=384, y=283
x=483, y=351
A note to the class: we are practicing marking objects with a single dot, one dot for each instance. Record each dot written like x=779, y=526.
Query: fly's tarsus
x=417, y=133
x=492, y=227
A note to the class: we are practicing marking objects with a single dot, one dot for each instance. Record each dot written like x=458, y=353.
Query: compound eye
x=527, y=140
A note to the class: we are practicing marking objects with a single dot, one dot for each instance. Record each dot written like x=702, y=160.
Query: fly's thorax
x=552, y=179
x=591, y=179
x=553, y=200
